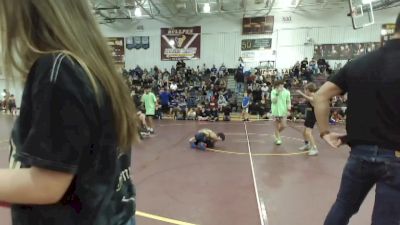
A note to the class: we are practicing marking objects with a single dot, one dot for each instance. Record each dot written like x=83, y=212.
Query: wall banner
x=180, y=43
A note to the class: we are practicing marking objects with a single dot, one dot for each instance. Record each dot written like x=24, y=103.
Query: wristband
x=322, y=134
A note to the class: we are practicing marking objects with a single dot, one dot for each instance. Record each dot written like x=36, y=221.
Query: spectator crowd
x=202, y=93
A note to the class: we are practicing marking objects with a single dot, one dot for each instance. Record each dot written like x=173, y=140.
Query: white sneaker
x=150, y=130
x=277, y=141
x=313, y=151
x=305, y=147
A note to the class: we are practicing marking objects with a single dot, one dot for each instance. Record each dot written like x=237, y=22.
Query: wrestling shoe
x=305, y=147
x=313, y=151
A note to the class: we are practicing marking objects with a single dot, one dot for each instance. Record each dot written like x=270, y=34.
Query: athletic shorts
x=279, y=118
x=150, y=116
x=310, y=119
x=245, y=110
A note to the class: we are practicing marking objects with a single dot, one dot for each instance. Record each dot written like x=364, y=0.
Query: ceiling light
x=365, y=2
x=138, y=12
x=290, y=3
x=206, y=8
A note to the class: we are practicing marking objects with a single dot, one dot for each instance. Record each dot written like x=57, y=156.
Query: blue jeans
x=239, y=87
x=131, y=221
x=367, y=166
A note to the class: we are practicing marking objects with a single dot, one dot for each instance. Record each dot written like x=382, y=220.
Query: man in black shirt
x=304, y=63
x=239, y=78
x=373, y=133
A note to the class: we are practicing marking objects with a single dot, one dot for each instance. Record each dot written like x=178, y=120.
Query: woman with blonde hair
x=70, y=147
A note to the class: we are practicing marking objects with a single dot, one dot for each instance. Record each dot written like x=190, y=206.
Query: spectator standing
x=304, y=64
x=280, y=107
x=149, y=100
x=239, y=78
x=245, y=106
x=373, y=133
x=165, y=97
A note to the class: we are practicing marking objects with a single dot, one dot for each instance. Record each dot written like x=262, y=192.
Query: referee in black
x=372, y=83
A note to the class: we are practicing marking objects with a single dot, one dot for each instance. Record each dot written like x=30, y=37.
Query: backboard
x=362, y=13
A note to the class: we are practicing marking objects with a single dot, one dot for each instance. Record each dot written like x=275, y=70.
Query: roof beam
x=151, y=3
x=196, y=9
x=299, y=3
x=244, y=4
x=219, y=2
x=144, y=9
x=168, y=8
x=151, y=9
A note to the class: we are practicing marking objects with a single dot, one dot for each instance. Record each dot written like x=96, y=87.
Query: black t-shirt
x=373, y=86
x=257, y=95
x=239, y=76
x=227, y=111
x=62, y=128
x=304, y=64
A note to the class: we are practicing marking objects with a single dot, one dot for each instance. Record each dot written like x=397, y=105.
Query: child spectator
x=222, y=101
x=227, y=113
x=158, y=114
x=12, y=106
x=165, y=96
x=335, y=117
x=192, y=115
x=173, y=104
x=214, y=117
x=245, y=107
x=202, y=115
x=233, y=103
x=182, y=108
x=264, y=91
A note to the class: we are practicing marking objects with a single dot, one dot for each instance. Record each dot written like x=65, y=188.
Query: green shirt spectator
x=149, y=100
x=280, y=102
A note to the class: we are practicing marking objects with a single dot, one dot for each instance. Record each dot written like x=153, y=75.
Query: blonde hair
x=32, y=28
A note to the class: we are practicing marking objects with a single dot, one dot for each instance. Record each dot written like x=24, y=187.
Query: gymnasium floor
x=179, y=185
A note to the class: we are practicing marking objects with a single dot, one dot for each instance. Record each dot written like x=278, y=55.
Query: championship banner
x=180, y=43
x=138, y=42
x=130, y=43
x=117, y=49
x=344, y=51
x=145, y=42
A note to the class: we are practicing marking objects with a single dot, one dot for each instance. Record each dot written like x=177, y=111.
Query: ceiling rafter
x=170, y=9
